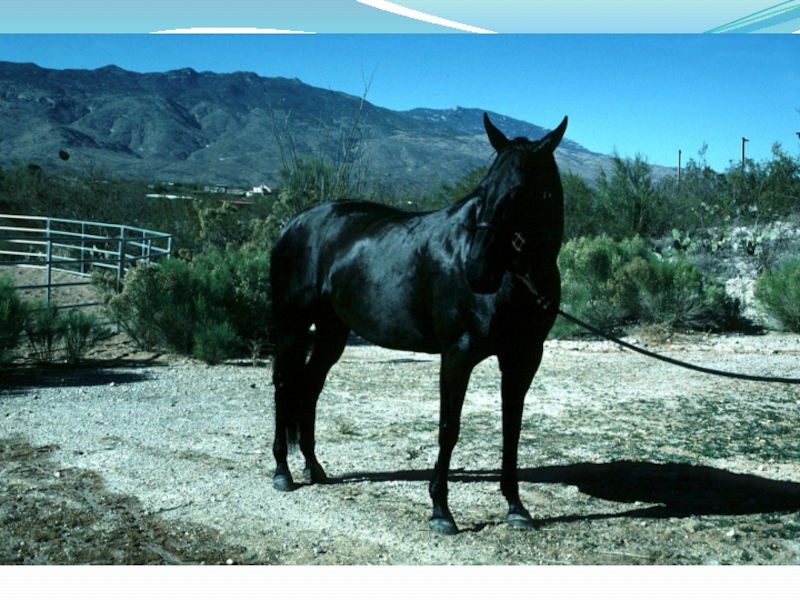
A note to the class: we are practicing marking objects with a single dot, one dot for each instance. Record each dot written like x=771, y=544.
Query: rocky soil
x=154, y=459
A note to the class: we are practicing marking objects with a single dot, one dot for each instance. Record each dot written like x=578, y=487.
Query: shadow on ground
x=27, y=378
x=680, y=490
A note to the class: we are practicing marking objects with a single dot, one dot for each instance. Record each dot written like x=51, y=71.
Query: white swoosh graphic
x=229, y=30
x=420, y=16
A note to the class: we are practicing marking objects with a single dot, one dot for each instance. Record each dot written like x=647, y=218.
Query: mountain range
x=221, y=128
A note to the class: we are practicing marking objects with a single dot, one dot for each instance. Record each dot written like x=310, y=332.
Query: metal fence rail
x=76, y=247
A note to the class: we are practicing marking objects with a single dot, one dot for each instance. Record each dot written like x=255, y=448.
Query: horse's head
x=519, y=212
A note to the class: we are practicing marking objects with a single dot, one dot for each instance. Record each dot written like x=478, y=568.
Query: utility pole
x=744, y=140
x=679, y=168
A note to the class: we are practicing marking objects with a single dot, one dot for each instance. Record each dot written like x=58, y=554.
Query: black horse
x=456, y=282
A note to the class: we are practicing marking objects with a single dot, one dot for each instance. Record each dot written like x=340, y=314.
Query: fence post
x=49, y=268
x=121, y=268
x=83, y=248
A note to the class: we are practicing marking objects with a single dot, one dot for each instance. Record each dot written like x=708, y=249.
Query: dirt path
x=623, y=461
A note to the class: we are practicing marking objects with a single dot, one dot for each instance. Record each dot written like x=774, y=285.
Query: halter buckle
x=518, y=242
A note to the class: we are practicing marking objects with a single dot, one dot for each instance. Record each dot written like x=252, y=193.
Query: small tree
x=630, y=204
x=448, y=193
x=338, y=168
x=580, y=207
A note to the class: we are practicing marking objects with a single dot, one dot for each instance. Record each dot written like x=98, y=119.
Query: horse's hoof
x=518, y=521
x=315, y=475
x=443, y=526
x=283, y=483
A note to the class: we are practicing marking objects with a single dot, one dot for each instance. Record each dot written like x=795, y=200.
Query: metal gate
x=76, y=247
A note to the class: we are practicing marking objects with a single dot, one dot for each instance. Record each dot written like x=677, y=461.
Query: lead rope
x=547, y=305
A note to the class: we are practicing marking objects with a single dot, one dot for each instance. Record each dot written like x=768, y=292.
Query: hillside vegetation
x=711, y=252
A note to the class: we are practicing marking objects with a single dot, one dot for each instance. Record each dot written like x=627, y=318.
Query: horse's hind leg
x=330, y=341
x=290, y=358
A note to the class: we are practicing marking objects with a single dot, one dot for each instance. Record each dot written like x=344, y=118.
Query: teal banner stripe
x=785, y=13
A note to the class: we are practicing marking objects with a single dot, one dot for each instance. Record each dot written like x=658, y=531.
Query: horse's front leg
x=453, y=381
x=516, y=379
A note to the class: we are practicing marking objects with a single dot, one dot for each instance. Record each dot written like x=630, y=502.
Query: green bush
x=672, y=292
x=215, y=341
x=610, y=284
x=13, y=315
x=211, y=307
x=158, y=304
x=180, y=306
x=47, y=329
x=44, y=329
x=778, y=290
x=81, y=331
x=239, y=281
x=595, y=286
x=134, y=306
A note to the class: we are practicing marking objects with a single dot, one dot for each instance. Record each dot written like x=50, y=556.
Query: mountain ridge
x=185, y=125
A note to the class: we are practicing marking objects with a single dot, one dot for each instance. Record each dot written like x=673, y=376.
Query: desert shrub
x=132, y=307
x=47, y=329
x=214, y=341
x=595, y=286
x=44, y=329
x=212, y=307
x=240, y=282
x=13, y=314
x=672, y=292
x=778, y=290
x=180, y=306
x=81, y=331
x=158, y=306
x=610, y=284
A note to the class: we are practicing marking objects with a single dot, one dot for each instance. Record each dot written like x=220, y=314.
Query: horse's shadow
x=677, y=490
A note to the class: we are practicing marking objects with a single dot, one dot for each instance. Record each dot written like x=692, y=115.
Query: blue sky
x=648, y=94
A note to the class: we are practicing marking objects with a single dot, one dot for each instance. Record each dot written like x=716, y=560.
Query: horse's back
x=318, y=241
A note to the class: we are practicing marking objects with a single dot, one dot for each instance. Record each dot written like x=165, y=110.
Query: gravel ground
x=153, y=459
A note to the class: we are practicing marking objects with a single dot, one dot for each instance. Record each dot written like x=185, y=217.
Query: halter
x=517, y=243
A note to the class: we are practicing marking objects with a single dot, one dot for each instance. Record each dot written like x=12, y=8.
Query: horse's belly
x=388, y=320
x=399, y=341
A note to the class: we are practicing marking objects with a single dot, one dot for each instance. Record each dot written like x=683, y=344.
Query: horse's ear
x=496, y=137
x=553, y=139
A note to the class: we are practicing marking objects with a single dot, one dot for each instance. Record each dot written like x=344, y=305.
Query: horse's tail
x=289, y=388
x=292, y=424
x=289, y=308
x=287, y=412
